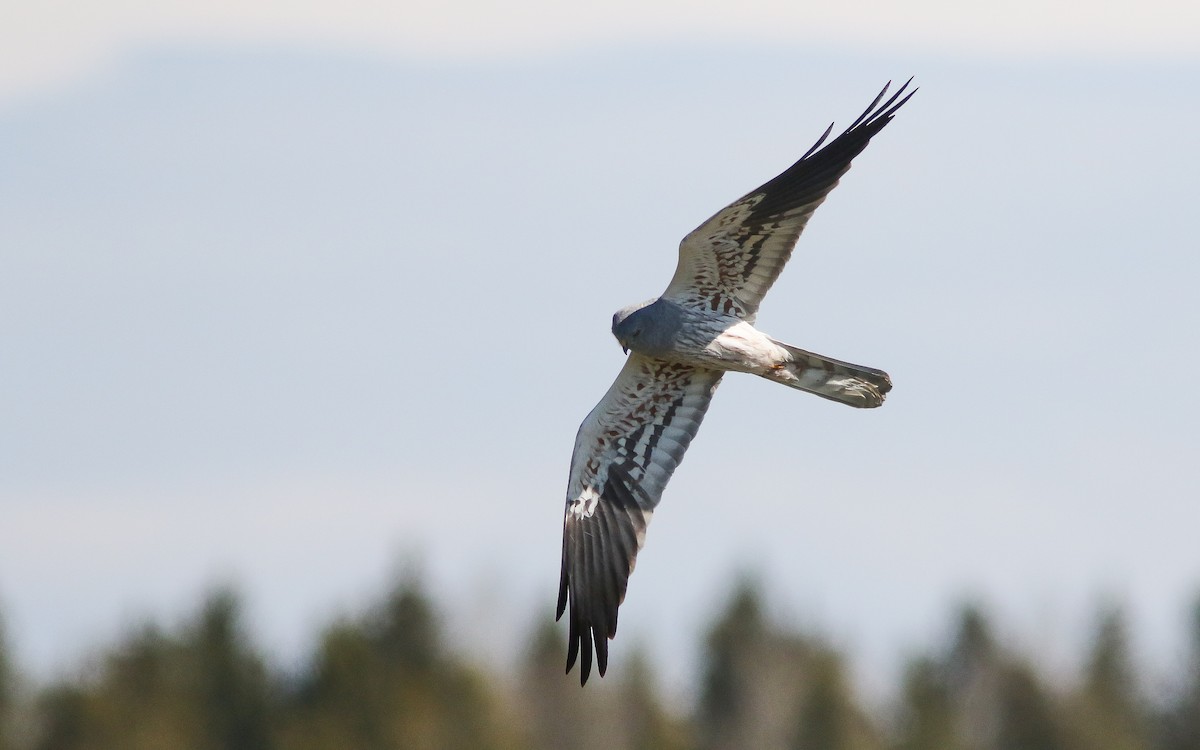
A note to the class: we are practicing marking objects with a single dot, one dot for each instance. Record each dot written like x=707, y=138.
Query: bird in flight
x=682, y=343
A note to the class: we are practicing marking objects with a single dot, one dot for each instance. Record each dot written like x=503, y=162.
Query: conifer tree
x=1108, y=710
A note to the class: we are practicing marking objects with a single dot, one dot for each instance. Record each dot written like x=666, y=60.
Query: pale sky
x=46, y=42
x=290, y=294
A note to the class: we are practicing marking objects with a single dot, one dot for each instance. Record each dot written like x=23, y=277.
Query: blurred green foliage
x=387, y=679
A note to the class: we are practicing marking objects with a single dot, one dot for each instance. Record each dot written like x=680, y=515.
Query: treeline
x=387, y=679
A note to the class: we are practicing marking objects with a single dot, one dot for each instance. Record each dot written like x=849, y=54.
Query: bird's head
x=645, y=327
x=624, y=328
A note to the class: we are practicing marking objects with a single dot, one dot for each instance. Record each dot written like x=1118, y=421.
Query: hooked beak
x=624, y=346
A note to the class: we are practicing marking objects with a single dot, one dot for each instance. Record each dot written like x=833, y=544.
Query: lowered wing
x=625, y=452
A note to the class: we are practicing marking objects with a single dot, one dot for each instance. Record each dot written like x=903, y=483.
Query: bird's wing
x=625, y=452
x=729, y=262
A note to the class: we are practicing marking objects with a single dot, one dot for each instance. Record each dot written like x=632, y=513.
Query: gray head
x=648, y=327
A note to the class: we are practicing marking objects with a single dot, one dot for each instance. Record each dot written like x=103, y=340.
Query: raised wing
x=729, y=262
x=625, y=452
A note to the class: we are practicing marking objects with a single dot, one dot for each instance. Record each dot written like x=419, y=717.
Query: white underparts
x=744, y=348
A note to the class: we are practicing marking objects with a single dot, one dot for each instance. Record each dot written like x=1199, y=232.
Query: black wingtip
x=601, y=642
x=572, y=644
x=598, y=555
x=891, y=105
x=562, y=594
x=876, y=111
x=816, y=173
x=870, y=107
x=872, y=113
x=585, y=665
x=820, y=140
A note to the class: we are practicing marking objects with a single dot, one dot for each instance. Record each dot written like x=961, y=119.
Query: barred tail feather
x=855, y=385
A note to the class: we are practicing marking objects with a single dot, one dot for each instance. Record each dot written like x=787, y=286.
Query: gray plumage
x=682, y=343
x=654, y=329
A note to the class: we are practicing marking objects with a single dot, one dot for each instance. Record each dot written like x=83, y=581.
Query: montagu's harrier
x=682, y=343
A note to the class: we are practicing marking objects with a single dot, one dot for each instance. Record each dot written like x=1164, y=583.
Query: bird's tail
x=855, y=385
